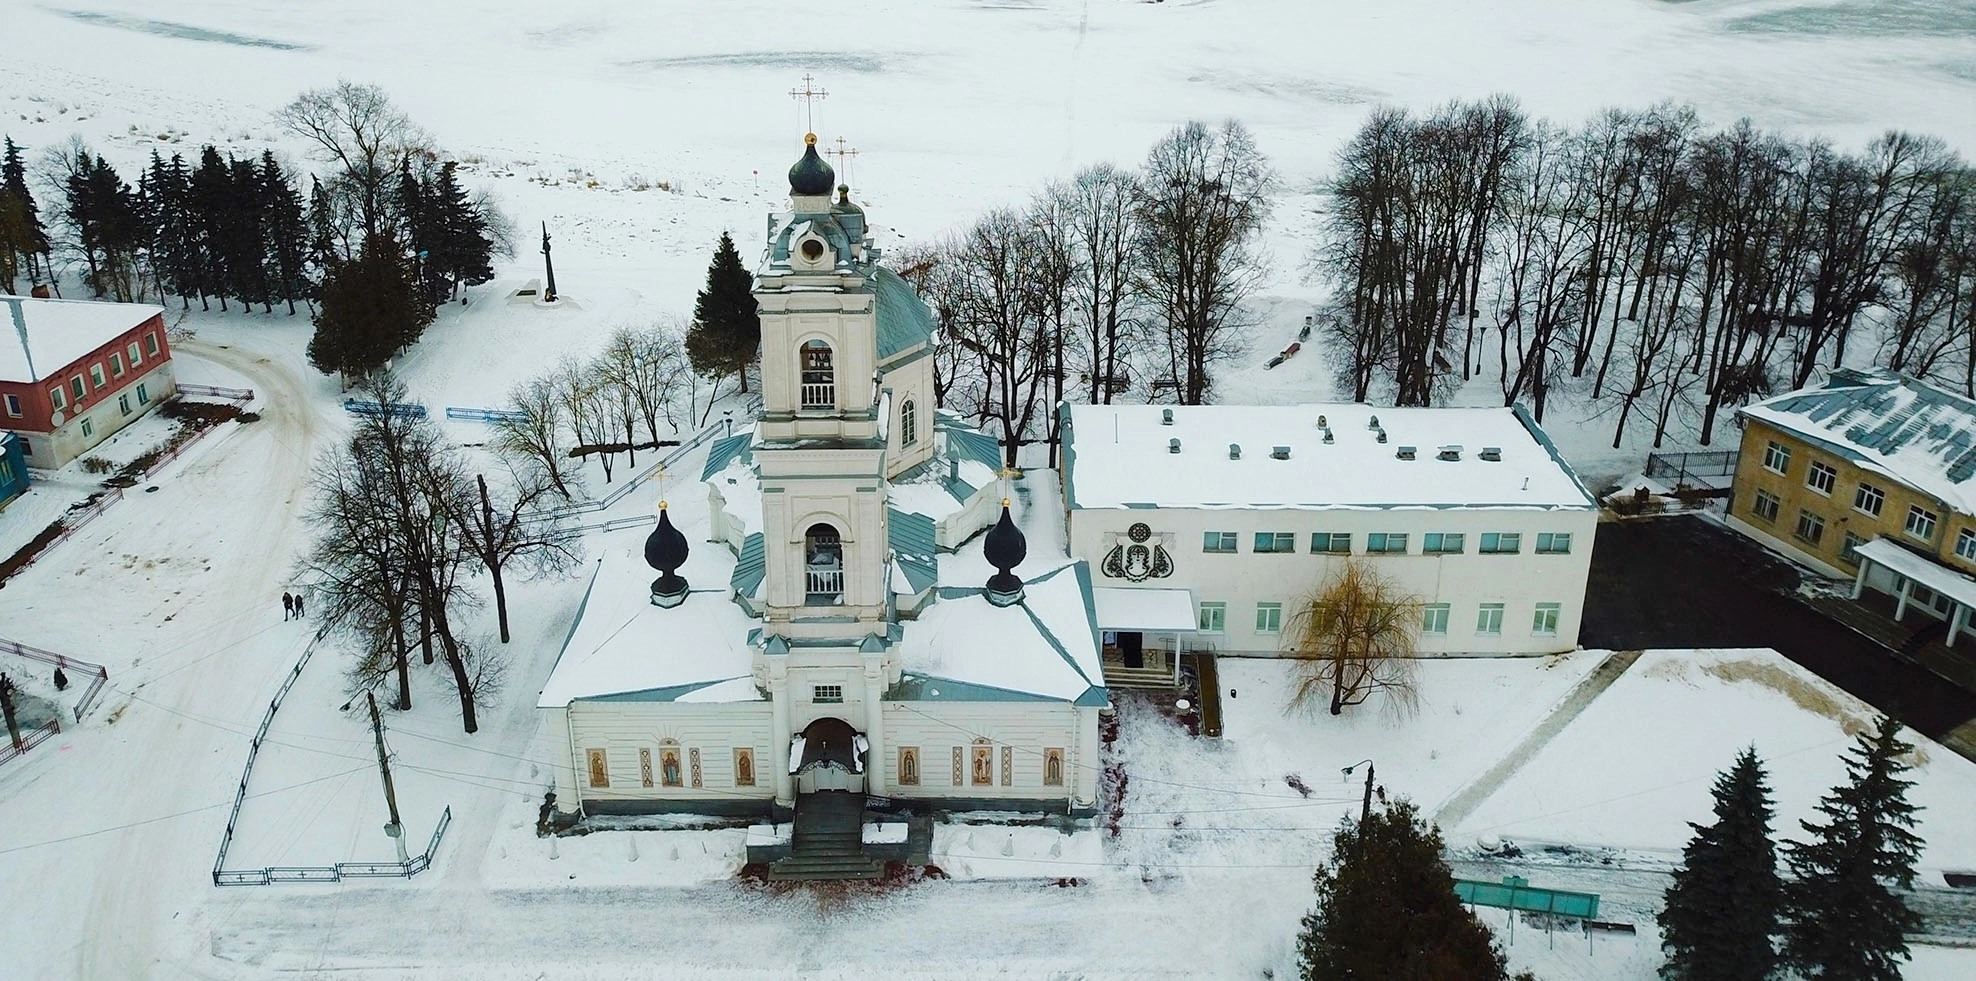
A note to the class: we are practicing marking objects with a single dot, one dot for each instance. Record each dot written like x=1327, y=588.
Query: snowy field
x=639, y=132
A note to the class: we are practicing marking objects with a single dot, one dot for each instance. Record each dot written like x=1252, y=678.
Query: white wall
x=67, y=441
x=1464, y=581
x=621, y=729
x=1024, y=728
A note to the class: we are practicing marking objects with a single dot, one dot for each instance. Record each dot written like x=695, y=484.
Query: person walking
x=298, y=605
x=287, y=606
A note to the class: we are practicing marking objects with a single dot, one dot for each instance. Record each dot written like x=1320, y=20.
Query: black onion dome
x=1004, y=548
x=665, y=547
x=811, y=175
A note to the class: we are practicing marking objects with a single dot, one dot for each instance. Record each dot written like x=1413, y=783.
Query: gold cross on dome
x=809, y=93
x=843, y=155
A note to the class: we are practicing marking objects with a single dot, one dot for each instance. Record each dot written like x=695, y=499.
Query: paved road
x=1681, y=582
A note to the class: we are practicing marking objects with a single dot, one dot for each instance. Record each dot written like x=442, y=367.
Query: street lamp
x=1365, y=809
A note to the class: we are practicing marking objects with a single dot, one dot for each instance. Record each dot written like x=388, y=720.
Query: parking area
x=1678, y=582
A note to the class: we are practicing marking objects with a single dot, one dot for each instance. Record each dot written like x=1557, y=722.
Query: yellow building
x=1868, y=478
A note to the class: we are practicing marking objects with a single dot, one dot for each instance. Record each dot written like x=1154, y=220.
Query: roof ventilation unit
x=1322, y=423
x=1493, y=454
x=1327, y=436
x=1380, y=436
x=1372, y=423
x=1405, y=453
x=1234, y=451
x=1279, y=453
x=1452, y=451
x=1173, y=446
x=1166, y=417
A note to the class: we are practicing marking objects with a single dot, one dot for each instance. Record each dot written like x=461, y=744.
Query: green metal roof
x=668, y=694
x=750, y=566
x=928, y=688
x=913, y=544
x=726, y=450
x=972, y=444
x=904, y=322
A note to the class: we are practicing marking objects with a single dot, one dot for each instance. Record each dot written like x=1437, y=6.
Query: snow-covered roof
x=1045, y=646
x=624, y=646
x=1888, y=423
x=39, y=338
x=1122, y=456
x=1130, y=608
x=1927, y=572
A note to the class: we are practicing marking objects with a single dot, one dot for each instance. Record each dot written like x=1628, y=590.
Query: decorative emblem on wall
x=1139, y=556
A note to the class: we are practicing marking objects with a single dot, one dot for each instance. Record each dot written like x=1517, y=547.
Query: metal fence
x=713, y=432
x=403, y=410
x=483, y=415
x=98, y=675
x=629, y=521
x=239, y=396
x=30, y=738
x=1688, y=468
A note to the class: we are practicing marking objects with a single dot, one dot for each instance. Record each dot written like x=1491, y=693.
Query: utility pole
x=395, y=829
x=1365, y=809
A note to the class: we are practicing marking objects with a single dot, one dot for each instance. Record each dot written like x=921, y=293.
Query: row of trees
x=403, y=527
x=1112, y=273
x=1674, y=269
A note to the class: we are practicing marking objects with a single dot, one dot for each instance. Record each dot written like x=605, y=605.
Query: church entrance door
x=832, y=758
x=1132, y=647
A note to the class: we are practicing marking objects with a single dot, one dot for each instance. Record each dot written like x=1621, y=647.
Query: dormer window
x=819, y=384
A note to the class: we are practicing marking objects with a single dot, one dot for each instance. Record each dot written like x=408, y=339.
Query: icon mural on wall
x=1141, y=556
x=744, y=767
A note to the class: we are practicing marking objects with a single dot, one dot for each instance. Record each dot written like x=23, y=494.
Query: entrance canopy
x=1933, y=575
x=1144, y=609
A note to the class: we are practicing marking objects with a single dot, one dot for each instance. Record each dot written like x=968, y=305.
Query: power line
x=167, y=817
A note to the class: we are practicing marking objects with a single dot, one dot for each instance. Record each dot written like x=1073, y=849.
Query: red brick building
x=72, y=372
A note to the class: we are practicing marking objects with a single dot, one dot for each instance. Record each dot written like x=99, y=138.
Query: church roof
x=750, y=567
x=728, y=449
x=914, y=548
x=1045, y=646
x=904, y=321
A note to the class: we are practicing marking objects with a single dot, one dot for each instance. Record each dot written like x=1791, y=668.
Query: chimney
x=1166, y=417
x=1372, y=423
x=1279, y=453
x=1493, y=454
x=1234, y=451
x=1380, y=436
x=1452, y=451
x=1322, y=423
x=1327, y=436
x=1405, y=453
x=1173, y=446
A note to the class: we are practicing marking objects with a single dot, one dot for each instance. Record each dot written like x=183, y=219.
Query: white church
x=849, y=608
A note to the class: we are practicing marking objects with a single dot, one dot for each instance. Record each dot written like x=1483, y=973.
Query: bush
x=96, y=464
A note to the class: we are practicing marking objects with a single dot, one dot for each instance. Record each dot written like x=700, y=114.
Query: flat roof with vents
x=1117, y=457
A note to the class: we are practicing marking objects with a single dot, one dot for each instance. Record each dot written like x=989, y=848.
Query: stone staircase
x=828, y=841
x=1117, y=675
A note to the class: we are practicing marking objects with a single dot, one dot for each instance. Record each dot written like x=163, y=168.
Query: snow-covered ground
x=639, y=132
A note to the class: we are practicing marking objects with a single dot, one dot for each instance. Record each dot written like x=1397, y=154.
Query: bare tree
x=1054, y=270
x=367, y=140
x=1102, y=201
x=540, y=431
x=1354, y=637
x=514, y=526
x=998, y=323
x=356, y=572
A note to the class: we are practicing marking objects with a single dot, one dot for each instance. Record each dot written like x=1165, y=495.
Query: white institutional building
x=833, y=621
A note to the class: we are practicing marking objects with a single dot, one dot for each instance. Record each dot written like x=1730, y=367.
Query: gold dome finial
x=809, y=139
x=1005, y=502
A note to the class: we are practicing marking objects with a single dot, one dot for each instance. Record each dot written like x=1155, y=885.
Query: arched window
x=819, y=387
x=908, y=423
x=823, y=565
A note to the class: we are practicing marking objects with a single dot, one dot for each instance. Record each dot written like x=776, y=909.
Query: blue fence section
x=1515, y=892
x=713, y=432
x=406, y=410
x=483, y=415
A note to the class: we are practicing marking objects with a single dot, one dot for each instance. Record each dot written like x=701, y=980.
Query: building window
x=1434, y=619
x=1965, y=544
x=1868, y=499
x=1811, y=527
x=123, y=402
x=1441, y=543
x=827, y=693
x=1331, y=543
x=116, y=365
x=1276, y=541
x=644, y=766
x=1489, y=620
x=135, y=358
x=151, y=345
x=909, y=766
x=1821, y=478
x=908, y=423
x=1218, y=541
x=1765, y=506
x=1553, y=543
x=58, y=397
x=143, y=396
x=88, y=429
x=1502, y=543
x=1213, y=618
x=1849, y=548
x=96, y=376
x=1386, y=543
x=14, y=406
x=1269, y=618
x=600, y=770
x=1777, y=458
x=1544, y=623
x=1920, y=523
x=819, y=387
x=1053, y=766
x=823, y=570
x=744, y=766
x=76, y=386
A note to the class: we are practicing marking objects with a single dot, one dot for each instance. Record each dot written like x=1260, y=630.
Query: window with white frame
x=827, y=693
x=1868, y=499
x=819, y=381
x=58, y=397
x=1920, y=523
x=1821, y=477
x=135, y=357
x=1269, y=618
x=1965, y=544
x=1777, y=458
x=143, y=396
x=1849, y=549
x=78, y=388
x=1331, y=542
x=88, y=429
x=96, y=376
x=1276, y=541
x=1489, y=620
x=1811, y=526
x=14, y=406
x=1544, y=622
x=1553, y=543
x=123, y=402
x=151, y=345
x=1212, y=618
x=1441, y=543
x=1434, y=619
x=1218, y=541
x=116, y=365
x=908, y=423
x=1386, y=543
x=1502, y=543
x=1765, y=506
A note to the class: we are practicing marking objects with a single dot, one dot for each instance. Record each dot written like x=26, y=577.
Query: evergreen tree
x=1843, y=918
x=106, y=217
x=420, y=224
x=23, y=237
x=727, y=328
x=464, y=249
x=367, y=308
x=287, y=233
x=1386, y=908
x=246, y=236
x=175, y=249
x=323, y=236
x=1721, y=911
x=209, y=198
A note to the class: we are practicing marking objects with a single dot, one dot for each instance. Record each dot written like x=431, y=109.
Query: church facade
x=853, y=610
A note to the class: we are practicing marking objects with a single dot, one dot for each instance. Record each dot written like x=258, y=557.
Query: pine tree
x=369, y=307
x=1721, y=911
x=1843, y=917
x=246, y=236
x=207, y=200
x=727, y=328
x=323, y=238
x=22, y=233
x=464, y=250
x=287, y=233
x=175, y=250
x=1386, y=908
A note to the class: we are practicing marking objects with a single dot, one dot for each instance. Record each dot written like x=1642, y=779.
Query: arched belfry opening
x=819, y=384
x=823, y=565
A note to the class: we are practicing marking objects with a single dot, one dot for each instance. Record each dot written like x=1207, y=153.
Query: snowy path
x=1464, y=801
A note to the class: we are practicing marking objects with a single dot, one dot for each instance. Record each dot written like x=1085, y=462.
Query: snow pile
x=994, y=852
